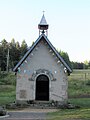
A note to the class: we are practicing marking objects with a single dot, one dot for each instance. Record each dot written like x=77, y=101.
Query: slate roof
x=43, y=21
x=51, y=46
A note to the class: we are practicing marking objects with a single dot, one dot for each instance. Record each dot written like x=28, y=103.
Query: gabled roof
x=43, y=21
x=51, y=46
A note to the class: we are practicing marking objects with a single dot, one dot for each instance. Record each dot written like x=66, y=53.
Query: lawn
x=7, y=94
x=7, y=87
x=71, y=114
x=78, y=91
x=79, y=84
x=79, y=94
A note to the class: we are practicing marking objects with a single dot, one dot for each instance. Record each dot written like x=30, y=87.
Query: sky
x=69, y=24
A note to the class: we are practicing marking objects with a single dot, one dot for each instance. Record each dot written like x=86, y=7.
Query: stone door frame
x=38, y=72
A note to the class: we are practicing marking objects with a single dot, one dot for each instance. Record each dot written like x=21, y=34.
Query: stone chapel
x=42, y=72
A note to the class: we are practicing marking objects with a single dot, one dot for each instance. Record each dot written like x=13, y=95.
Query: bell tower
x=43, y=26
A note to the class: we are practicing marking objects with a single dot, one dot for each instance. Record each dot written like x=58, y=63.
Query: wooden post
x=8, y=60
x=85, y=76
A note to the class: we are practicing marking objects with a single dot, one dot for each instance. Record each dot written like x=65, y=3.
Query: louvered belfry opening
x=42, y=88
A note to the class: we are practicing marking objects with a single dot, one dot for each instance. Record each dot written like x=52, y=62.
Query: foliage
x=74, y=65
x=71, y=114
x=82, y=102
x=2, y=111
x=7, y=94
x=77, y=65
x=82, y=113
x=88, y=82
x=7, y=87
x=15, y=53
x=78, y=83
x=7, y=78
x=3, y=57
x=23, y=48
x=65, y=56
x=80, y=65
x=77, y=87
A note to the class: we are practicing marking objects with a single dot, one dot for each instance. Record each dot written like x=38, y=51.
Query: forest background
x=12, y=52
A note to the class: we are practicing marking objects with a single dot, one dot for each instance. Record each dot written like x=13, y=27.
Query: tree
x=14, y=53
x=89, y=64
x=74, y=65
x=17, y=45
x=3, y=54
x=65, y=56
x=23, y=48
x=13, y=42
x=86, y=64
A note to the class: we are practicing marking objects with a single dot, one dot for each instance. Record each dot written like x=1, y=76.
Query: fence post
x=85, y=76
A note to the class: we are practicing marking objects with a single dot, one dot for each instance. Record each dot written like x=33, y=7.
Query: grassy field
x=7, y=94
x=79, y=84
x=78, y=91
x=68, y=114
x=7, y=88
x=79, y=94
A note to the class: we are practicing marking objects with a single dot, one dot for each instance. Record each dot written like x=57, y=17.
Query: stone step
x=42, y=105
x=33, y=104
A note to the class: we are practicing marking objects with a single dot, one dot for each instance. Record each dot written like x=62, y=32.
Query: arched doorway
x=42, y=88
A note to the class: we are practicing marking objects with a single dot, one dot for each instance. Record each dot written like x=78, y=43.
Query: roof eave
x=60, y=58
x=53, y=48
x=27, y=53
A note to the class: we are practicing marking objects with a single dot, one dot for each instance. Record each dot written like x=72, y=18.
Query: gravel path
x=28, y=114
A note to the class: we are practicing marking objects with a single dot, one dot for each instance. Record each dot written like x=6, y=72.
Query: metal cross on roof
x=43, y=11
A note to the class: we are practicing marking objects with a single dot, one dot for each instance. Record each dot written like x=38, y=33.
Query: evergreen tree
x=65, y=56
x=23, y=48
x=3, y=54
x=14, y=53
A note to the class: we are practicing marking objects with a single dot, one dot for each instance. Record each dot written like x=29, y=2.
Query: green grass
x=78, y=89
x=7, y=78
x=7, y=87
x=82, y=102
x=79, y=83
x=82, y=113
x=68, y=114
x=80, y=75
x=7, y=94
x=6, y=100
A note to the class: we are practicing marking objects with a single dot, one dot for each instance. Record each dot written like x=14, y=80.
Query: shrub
x=2, y=111
x=88, y=82
x=7, y=78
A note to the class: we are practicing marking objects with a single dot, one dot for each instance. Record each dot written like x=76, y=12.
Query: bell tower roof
x=43, y=21
x=43, y=26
